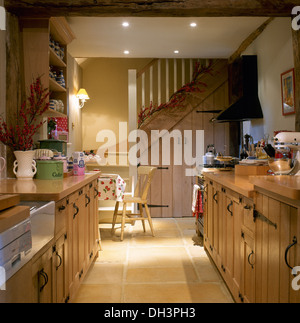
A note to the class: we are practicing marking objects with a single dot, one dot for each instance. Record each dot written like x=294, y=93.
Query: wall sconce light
x=82, y=96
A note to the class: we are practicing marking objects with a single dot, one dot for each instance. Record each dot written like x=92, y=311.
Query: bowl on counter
x=282, y=166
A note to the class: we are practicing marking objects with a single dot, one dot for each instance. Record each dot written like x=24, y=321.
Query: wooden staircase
x=171, y=190
x=214, y=75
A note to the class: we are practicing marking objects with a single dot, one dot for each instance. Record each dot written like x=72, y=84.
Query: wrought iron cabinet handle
x=61, y=208
x=252, y=265
x=228, y=208
x=45, y=276
x=96, y=192
x=76, y=210
x=60, y=260
x=88, y=200
x=214, y=197
x=287, y=251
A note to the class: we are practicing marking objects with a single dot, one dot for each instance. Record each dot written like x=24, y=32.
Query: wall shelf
x=41, y=55
x=55, y=87
x=55, y=60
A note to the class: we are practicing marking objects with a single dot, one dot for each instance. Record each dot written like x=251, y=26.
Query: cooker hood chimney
x=243, y=91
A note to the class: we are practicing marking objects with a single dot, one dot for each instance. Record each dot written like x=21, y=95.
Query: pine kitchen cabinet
x=57, y=269
x=277, y=238
x=83, y=234
x=222, y=231
x=252, y=234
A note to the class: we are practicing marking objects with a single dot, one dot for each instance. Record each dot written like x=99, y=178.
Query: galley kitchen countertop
x=239, y=184
x=45, y=190
x=284, y=185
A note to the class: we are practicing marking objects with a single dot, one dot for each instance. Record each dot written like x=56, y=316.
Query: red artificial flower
x=20, y=135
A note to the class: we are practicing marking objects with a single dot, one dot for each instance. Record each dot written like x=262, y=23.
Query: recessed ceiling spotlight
x=125, y=24
x=126, y=52
x=176, y=51
x=193, y=24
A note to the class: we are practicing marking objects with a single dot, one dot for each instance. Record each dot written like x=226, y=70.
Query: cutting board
x=8, y=200
x=251, y=170
x=13, y=216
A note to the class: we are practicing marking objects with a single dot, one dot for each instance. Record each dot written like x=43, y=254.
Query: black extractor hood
x=243, y=91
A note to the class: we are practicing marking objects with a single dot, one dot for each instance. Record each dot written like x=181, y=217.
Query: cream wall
x=2, y=82
x=75, y=119
x=275, y=56
x=106, y=82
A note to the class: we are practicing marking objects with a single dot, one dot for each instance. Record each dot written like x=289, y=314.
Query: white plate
x=253, y=162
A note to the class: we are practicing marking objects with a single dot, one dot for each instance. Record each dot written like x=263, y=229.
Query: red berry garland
x=177, y=99
x=20, y=135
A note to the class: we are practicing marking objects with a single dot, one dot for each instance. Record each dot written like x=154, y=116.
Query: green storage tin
x=49, y=169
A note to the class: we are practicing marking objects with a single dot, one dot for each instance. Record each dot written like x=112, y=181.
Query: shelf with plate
x=54, y=114
x=55, y=60
x=45, y=42
x=55, y=87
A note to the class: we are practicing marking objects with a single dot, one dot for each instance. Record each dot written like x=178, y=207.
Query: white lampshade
x=82, y=95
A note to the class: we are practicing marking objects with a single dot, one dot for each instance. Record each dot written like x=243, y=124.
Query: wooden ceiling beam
x=152, y=8
x=249, y=40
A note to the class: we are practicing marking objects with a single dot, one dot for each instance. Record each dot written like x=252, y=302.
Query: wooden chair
x=145, y=175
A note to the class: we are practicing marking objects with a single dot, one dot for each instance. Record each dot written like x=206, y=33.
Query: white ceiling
x=159, y=37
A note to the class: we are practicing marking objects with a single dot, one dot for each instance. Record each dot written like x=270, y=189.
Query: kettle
x=209, y=157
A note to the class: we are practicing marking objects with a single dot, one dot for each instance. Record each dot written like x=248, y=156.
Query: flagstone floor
x=167, y=268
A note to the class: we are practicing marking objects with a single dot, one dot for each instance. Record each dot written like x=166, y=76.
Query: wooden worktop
x=286, y=186
x=239, y=184
x=45, y=190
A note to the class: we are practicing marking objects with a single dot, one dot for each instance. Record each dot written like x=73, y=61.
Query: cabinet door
x=59, y=270
x=247, y=288
x=90, y=208
x=230, y=215
x=217, y=220
x=208, y=216
x=293, y=255
x=42, y=276
x=95, y=232
x=73, y=243
x=236, y=254
x=82, y=232
x=276, y=227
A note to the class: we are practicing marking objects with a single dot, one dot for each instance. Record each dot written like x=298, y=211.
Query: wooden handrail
x=144, y=69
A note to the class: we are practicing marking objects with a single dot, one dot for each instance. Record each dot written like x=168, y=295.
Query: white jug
x=24, y=166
